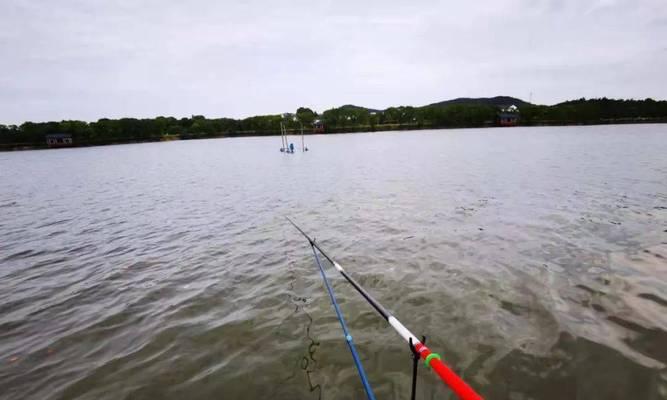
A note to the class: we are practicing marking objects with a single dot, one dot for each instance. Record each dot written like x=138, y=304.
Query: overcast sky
x=88, y=59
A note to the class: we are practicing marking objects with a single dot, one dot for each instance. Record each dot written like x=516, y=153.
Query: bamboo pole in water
x=283, y=139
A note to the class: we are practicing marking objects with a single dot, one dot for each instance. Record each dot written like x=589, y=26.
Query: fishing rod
x=431, y=359
x=348, y=337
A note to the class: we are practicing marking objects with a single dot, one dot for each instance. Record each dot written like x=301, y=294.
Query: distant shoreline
x=340, y=130
x=456, y=113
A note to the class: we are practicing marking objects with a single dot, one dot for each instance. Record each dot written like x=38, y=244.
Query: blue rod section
x=348, y=337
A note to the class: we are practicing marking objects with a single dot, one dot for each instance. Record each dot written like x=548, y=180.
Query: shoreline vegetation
x=457, y=113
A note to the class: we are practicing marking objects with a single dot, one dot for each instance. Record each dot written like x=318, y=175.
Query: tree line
x=346, y=118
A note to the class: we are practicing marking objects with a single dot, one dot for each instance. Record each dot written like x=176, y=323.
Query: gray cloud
x=91, y=59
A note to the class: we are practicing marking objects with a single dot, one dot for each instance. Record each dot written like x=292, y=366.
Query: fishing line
x=307, y=362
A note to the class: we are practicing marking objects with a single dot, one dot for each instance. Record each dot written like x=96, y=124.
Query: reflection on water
x=534, y=259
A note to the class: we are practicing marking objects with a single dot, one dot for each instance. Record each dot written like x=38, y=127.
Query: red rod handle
x=448, y=376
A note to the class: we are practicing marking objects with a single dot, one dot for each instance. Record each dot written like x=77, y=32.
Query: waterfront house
x=508, y=116
x=59, y=140
x=318, y=126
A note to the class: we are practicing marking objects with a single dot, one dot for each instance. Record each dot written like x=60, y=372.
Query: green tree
x=305, y=115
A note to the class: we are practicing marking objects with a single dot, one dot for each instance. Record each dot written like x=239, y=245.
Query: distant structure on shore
x=508, y=116
x=59, y=140
x=318, y=126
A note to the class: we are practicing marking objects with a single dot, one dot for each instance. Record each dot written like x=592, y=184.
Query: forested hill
x=457, y=113
x=498, y=101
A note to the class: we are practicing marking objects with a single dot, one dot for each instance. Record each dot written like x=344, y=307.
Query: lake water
x=533, y=259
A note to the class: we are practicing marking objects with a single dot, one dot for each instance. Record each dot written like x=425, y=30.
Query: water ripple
x=534, y=261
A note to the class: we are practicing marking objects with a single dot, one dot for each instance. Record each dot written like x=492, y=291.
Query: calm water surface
x=534, y=259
